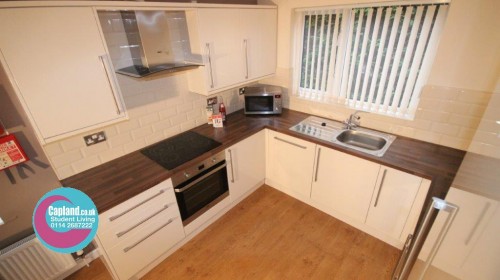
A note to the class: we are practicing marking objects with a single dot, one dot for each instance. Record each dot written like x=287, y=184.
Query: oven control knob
x=214, y=160
x=186, y=175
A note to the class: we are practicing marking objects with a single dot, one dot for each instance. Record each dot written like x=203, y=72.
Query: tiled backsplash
x=446, y=116
x=158, y=109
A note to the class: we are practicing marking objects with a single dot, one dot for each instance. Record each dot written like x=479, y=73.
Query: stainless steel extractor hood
x=158, y=42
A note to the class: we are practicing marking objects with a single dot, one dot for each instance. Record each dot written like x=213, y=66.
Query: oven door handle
x=188, y=186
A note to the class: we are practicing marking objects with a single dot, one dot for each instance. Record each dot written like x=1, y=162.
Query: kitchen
x=460, y=90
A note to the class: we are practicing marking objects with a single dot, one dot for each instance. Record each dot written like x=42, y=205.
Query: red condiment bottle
x=222, y=110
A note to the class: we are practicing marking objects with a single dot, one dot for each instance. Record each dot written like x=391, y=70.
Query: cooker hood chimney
x=158, y=42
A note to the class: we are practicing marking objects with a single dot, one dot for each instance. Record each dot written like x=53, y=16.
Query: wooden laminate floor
x=271, y=235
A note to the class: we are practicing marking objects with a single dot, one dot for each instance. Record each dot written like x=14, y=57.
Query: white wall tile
x=66, y=158
x=95, y=149
x=53, y=149
x=111, y=154
x=148, y=119
x=86, y=163
x=141, y=132
x=73, y=143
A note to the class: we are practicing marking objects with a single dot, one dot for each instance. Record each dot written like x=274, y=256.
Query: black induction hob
x=175, y=151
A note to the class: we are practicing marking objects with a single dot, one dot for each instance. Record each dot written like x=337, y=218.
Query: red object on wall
x=11, y=152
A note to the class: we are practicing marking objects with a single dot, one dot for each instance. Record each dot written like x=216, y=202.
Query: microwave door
x=259, y=104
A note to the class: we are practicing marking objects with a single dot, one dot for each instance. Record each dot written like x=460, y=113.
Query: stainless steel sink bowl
x=361, y=139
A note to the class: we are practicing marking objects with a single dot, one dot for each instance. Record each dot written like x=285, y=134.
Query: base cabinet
x=392, y=201
x=470, y=246
x=290, y=163
x=343, y=183
x=246, y=165
x=138, y=231
x=365, y=194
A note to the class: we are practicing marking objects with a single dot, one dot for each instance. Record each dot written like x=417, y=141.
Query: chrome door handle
x=121, y=233
x=231, y=159
x=291, y=143
x=209, y=55
x=380, y=188
x=147, y=236
x=112, y=218
x=317, y=165
x=246, y=57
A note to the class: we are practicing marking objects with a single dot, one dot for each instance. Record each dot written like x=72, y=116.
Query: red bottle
x=222, y=110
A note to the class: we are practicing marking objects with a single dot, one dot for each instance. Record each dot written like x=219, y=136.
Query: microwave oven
x=263, y=99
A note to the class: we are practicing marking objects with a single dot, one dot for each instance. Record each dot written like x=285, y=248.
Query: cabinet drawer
x=132, y=226
x=136, y=252
x=141, y=205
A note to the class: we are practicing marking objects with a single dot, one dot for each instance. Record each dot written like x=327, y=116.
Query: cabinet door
x=482, y=263
x=259, y=41
x=474, y=213
x=58, y=61
x=392, y=201
x=246, y=164
x=291, y=163
x=219, y=32
x=344, y=183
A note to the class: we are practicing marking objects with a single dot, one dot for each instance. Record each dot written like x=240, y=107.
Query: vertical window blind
x=375, y=59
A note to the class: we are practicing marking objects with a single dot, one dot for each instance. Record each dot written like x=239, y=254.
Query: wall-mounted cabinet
x=238, y=46
x=58, y=64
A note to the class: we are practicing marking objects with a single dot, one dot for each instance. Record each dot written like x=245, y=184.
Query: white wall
x=462, y=78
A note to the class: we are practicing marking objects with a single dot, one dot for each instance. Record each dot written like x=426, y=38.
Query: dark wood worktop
x=116, y=181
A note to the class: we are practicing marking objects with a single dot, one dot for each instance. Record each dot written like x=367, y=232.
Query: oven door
x=259, y=104
x=200, y=193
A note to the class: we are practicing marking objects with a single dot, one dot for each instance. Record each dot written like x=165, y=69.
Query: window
x=369, y=58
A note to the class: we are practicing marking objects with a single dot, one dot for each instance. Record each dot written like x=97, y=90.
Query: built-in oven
x=201, y=186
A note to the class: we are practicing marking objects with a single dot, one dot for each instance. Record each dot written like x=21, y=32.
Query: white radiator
x=29, y=259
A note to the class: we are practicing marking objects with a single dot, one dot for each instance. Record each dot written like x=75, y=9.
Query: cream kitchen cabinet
x=290, y=164
x=58, y=65
x=482, y=262
x=381, y=200
x=465, y=249
x=392, y=201
x=343, y=183
x=246, y=165
x=237, y=45
x=136, y=232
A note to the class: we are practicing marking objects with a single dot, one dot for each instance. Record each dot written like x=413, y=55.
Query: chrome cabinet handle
x=246, y=57
x=231, y=159
x=317, y=165
x=199, y=179
x=478, y=221
x=121, y=233
x=209, y=55
x=104, y=61
x=135, y=206
x=147, y=236
x=380, y=188
x=291, y=143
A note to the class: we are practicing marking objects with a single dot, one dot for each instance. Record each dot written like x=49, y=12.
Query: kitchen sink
x=361, y=139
